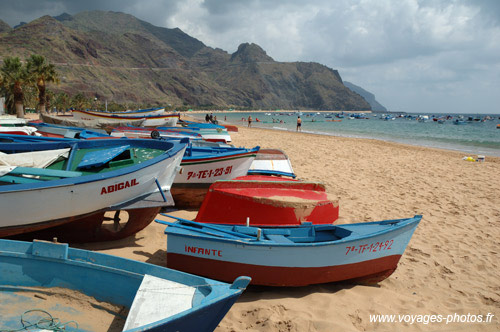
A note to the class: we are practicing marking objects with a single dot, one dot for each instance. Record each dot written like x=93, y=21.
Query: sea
x=477, y=134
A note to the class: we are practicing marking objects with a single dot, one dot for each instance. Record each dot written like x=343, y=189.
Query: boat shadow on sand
x=254, y=292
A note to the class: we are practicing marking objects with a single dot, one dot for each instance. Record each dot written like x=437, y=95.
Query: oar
x=194, y=229
x=190, y=222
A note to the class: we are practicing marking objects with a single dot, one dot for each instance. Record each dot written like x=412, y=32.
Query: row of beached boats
x=256, y=223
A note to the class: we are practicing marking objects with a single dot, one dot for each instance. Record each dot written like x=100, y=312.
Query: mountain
x=117, y=57
x=4, y=26
x=369, y=97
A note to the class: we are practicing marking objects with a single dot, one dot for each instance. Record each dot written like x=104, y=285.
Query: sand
x=450, y=267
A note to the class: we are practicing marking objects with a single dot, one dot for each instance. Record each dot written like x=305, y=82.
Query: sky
x=416, y=56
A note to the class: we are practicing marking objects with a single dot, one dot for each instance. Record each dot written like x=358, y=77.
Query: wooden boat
x=24, y=130
x=69, y=289
x=12, y=121
x=267, y=201
x=208, y=134
x=203, y=125
x=65, y=182
x=459, y=122
x=13, y=138
x=272, y=162
x=230, y=127
x=146, y=111
x=289, y=256
x=202, y=166
x=105, y=124
x=60, y=131
x=169, y=119
x=138, y=132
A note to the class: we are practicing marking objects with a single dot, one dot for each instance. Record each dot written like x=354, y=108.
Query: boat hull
x=149, y=120
x=56, y=202
x=43, y=269
x=147, y=133
x=94, y=123
x=272, y=162
x=97, y=227
x=267, y=201
x=369, y=258
x=197, y=174
x=368, y=272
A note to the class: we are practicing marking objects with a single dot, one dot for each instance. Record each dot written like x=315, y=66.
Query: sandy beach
x=450, y=267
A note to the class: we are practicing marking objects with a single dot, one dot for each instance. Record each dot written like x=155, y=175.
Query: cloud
x=419, y=49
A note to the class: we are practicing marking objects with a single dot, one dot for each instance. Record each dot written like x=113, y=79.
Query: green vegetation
x=40, y=71
x=14, y=81
x=127, y=62
x=19, y=82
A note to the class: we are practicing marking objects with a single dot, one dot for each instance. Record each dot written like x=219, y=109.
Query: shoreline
x=449, y=267
x=490, y=158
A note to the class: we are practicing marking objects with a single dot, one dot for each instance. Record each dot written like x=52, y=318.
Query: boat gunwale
x=206, y=158
x=403, y=223
x=217, y=290
x=111, y=263
x=175, y=148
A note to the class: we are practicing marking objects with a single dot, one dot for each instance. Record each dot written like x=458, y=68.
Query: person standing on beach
x=299, y=124
x=207, y=118
x=249, y=121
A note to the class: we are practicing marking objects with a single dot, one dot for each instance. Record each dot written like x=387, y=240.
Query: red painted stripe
x=366, y=272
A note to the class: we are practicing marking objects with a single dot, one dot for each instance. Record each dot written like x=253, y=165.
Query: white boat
x=24, y=130
x=202, y=166
x=272, y=162
x=10, y=120
x=169, y=119
x=60, y=182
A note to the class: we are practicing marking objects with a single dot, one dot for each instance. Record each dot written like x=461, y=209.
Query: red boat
x=267, y=201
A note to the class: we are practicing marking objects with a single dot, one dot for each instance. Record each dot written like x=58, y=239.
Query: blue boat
x=53, y=130
x=200, y=125
x=11, y=138
x=61, y=287
x=75, y=182
x=289, y=256
x=202, y=166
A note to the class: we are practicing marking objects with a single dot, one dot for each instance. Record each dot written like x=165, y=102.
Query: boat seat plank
x=278, y=238
x=253, y=231
x=157, y=299
x=18, y=179
x=45, y=172
x=100, y=157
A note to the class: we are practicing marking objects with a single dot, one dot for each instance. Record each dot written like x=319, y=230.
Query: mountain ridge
x=115, y=56
x=369, y=97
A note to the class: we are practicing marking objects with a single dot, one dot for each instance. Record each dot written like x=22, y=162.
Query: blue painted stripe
x=171, y=149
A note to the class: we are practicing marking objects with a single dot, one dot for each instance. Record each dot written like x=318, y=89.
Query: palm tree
x=14, y=79
x=79, y=101
x=61, y=101
x=49, y=99
x=42, y=72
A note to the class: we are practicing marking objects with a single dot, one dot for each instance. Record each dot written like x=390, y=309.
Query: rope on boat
x=49, y=323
